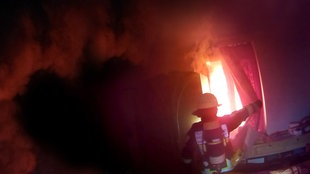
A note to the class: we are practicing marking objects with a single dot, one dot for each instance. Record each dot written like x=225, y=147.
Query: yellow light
x=204, y=83
x=208, y=63
x=217, y=85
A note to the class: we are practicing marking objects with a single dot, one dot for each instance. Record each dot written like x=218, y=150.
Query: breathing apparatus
x=214, y=138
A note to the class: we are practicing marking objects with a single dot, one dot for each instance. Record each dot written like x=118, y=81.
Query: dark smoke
x=72, y=118
x=75, y=48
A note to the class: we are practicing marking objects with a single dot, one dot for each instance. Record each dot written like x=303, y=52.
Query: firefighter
x=208, y=150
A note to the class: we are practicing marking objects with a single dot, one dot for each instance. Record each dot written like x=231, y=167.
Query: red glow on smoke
x=61, y=36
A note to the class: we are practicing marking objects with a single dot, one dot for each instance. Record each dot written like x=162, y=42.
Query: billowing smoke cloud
x=61, y=36
x=158, y=35
x=16, y=149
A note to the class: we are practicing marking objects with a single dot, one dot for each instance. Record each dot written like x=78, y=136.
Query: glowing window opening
x=217, y=84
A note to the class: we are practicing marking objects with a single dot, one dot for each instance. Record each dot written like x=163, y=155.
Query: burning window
x=231, y=73
x=222, y=87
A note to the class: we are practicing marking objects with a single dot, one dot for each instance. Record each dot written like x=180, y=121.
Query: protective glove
x=254, y=107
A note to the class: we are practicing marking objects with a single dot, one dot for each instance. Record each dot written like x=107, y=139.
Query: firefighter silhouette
x=208, y=149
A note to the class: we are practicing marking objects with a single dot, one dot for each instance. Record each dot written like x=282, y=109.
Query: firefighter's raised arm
x=235, y=118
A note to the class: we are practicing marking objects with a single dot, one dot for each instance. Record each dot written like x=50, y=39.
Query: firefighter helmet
x=206, y=101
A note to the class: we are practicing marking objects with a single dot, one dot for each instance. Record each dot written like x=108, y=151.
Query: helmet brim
x=199, y=111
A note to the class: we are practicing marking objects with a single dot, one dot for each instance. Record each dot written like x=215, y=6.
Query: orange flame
x=216, y=83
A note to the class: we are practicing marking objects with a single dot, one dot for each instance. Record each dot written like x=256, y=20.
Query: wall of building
x=279, y=31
